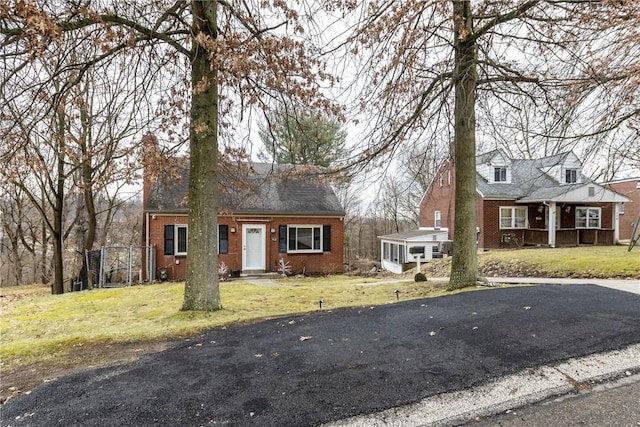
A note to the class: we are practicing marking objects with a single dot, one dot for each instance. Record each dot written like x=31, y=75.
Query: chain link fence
x=117, y=266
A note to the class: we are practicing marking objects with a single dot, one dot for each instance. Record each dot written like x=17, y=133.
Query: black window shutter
x=169, y=238
x=282, y=239
x=326, y=238
x=223, y=239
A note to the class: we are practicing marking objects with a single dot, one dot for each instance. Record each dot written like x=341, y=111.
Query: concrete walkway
x=621, y=285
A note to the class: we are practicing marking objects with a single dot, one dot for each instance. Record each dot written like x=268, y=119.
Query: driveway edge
x=513, y=391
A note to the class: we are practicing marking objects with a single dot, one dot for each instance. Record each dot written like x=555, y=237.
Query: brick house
x=539, y=202
x=629, y=213
x=267, y=212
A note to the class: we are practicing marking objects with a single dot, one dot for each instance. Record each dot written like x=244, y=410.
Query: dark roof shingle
x=255, y=188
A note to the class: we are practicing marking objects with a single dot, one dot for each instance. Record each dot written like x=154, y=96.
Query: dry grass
x=43, y=335
x=603, y=262
x=39, y=329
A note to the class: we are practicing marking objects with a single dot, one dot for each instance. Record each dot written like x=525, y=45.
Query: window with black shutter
x=169, y=239
x=223, y=239
x=282, y=239
x=326, y=238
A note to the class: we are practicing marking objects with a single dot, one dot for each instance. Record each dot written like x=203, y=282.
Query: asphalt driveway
x=329, y=365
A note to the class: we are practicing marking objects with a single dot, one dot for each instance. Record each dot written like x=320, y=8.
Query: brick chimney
x=151, y=158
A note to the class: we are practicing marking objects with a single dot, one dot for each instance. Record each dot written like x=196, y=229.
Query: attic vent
x=592, y=191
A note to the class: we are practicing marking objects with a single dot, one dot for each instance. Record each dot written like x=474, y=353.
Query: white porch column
x=551, y=235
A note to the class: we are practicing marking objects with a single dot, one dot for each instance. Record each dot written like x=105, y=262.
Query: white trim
x=587, y=209
x=177, y=227
x=306, y=251
x=262, y=262
x=513, y=217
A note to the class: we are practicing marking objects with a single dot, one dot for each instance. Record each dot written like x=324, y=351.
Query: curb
x=513, y=391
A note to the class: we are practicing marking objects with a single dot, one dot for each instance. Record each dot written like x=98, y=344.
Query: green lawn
x=39, y=329
x=604, y=262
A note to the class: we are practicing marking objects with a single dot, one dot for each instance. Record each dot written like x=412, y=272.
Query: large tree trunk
x=464, y=267
x=87, y=179
x=201, y=290
x=58, y=206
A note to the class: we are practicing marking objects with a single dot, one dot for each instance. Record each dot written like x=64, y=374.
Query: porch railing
x=570, y=237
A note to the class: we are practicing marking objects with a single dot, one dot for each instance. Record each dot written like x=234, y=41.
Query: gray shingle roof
x=262, y=188
x=528, y=179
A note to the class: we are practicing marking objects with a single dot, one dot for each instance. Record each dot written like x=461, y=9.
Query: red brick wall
x=491, y=224
x=174, y=264
x=439, y=197
x=314, y=263
x=628, y=219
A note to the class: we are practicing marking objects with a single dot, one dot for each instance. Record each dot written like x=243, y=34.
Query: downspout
x=616, y=223
x=147, y=261
x=146, y=231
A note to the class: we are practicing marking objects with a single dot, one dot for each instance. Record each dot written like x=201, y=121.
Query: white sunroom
x=400, y=249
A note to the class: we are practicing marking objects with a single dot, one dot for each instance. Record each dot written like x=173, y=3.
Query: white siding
x=487, y=169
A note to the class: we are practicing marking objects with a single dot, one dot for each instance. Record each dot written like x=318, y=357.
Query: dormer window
x=571, y=176
x=500, y=174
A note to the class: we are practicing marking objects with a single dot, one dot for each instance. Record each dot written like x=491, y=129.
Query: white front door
x=253, y=247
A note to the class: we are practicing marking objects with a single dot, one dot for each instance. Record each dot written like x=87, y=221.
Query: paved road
x=330, y=365
x=614, y=404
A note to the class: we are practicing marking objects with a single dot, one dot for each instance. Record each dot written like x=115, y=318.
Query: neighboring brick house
x=267, y=212
x=541, y=202
x=629, y=212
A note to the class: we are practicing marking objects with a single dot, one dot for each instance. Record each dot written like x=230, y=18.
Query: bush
x=420, y=277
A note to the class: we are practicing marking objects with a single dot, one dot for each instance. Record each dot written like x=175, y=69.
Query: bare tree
x=432, y=71
x=237, y=54
x=71, y=138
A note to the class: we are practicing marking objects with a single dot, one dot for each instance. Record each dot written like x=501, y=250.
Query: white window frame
x=394, y=252
x=514, y=223
x=573, y=176
x=177, y=229
x=313, y=249
x=502, y=172
x=588, y=220
x=437, y=219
